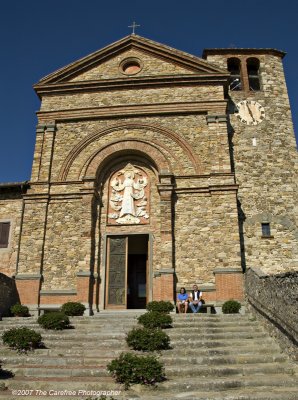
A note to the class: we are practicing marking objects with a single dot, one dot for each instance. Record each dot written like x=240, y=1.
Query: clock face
x=250, y=112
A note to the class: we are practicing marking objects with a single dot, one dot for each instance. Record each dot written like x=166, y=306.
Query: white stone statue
x=132, y=190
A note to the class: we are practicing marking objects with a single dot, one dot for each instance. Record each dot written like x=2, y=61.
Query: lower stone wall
x=8, y=294
x=273, y=300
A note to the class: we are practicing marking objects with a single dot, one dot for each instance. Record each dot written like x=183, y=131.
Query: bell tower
x=264, y=156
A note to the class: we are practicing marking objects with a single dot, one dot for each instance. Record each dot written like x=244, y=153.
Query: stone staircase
x=218, y=357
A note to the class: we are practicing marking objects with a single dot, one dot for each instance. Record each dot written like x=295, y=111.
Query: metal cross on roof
x=133, y=26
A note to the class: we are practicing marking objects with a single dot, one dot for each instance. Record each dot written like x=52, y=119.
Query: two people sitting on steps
x=193, y=299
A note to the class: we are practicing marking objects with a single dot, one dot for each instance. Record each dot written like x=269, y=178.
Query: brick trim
x=98, y=158
x=187, y=149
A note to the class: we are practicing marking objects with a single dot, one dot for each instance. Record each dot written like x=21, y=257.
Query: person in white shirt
x=195, y=299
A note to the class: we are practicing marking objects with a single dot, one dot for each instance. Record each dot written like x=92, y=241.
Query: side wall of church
x=10, y=211
x=267, y=172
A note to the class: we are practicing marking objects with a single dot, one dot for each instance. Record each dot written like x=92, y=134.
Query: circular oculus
x=130, y=66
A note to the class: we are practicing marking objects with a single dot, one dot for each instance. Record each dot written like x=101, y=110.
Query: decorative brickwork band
x=229, y=284
x=28, y=286
x=163, y=285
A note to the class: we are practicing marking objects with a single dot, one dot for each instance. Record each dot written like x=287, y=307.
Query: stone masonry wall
x=193, y=129
x=274, y=300
x=132, y=96
x=10, y=210
x=64, y=244
x=267, y=173
x=150, y=66
x=206, y=236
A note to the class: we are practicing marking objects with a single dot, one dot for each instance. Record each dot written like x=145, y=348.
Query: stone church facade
x=154, y=169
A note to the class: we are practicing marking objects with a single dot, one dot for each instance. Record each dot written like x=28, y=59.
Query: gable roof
x=194, y=64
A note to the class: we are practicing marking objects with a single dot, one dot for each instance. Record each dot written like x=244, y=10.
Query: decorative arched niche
x=124, y=150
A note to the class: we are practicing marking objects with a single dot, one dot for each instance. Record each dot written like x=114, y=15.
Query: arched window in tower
x=253, y=66
x=234, y=67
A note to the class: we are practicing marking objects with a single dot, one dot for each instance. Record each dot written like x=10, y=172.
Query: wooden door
x=116, y=288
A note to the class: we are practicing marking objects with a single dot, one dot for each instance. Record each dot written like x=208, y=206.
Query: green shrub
x=20, y=311
x=22, y=339
x=130, y=369
x=73, y=309
x=160, y=306
x=154, y=319
x=4, y=374
x=231, y=307
x=145, y=339
x=54, y=320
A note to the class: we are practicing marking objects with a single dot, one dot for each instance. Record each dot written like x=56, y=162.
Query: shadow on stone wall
x=273, y=299
x=8, y=294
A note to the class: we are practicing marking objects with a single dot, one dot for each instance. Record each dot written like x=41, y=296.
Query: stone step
x=191, y=331
x=217, y=327
x=116, y=319
x=207, y=371
x=181, y=347
x=262, y=393
x=194, y=370
x=71, y=338
x=168, y=360
x=213, y=357
x=82, y=327
x=60, y=371
x=170, y=386
x=222, y=383
x=74, y=334
x=189, y=334
x=218, y=342
x=190, y=352
x=223, y=360
x=63, y=383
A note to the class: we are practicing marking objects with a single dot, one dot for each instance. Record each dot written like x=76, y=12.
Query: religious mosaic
x=128, y=197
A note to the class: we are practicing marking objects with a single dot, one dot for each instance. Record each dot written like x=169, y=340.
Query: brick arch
x=124, y=146
x=187, y=149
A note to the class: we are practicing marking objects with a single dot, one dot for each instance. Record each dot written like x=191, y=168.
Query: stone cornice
x=242, y=51
x=207, y=189
x=62, y=292
x=228, y=270
x=132, y=83
x=23, y=277
x=135, y=110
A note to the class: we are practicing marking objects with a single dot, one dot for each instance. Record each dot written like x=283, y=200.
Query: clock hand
x=250, y=112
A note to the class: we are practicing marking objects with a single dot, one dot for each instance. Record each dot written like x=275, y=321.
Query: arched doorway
x=128, y=223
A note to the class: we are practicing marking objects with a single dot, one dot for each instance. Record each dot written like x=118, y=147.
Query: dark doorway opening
x=137, y=267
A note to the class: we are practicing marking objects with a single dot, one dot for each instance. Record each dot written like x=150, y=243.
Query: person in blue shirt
x=182, y=301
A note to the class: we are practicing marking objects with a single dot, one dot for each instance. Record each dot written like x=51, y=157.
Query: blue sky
x=38, y=37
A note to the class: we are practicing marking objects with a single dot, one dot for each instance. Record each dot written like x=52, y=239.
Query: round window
x=130, y=66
